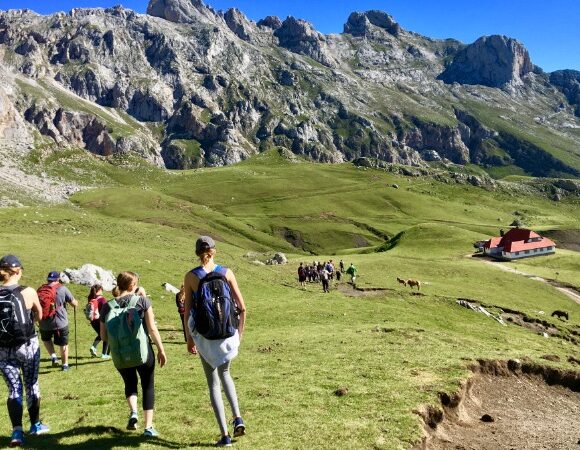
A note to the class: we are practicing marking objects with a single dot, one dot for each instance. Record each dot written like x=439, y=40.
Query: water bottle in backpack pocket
x=16, y=326
x=126, y=335
x=214, y=313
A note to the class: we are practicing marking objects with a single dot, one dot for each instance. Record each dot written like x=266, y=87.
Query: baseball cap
x=204, y=243
x=53, y=276
x=10, y=261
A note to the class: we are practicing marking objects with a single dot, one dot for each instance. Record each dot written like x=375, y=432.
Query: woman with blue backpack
x=19, y=348
x=128, y=325
x=216, y=316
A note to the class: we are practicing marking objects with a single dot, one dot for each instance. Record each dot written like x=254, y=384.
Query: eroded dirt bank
x=507, y=405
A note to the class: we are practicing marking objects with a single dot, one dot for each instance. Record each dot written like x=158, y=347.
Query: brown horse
x=403, y=282
x=412, y=283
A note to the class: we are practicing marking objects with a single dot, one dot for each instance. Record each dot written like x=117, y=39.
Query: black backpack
x=16, y=326
x=214, y=312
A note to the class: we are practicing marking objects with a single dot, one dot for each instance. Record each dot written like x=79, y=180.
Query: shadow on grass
x=107, y=438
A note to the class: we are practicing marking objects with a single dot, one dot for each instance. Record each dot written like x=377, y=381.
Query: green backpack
x=127, y=338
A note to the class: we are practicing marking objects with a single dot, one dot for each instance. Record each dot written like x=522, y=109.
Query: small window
x=517, y=253
x=527, y=252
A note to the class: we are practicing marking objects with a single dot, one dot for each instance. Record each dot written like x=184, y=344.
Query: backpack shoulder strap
x=221, y=270
x=133, y=302
x=199, y=272
x=113, y=303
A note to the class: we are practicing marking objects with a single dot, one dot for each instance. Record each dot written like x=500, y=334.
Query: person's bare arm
x=155, y=336
x=32, y=302
x=190, y=283
x=239, y=299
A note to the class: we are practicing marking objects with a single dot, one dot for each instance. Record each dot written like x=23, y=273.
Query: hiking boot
x=17, y=438
x=133, y=419
x=93, y=351
x=38, y=428
x=54, y=361
x=150, y=432
x=239, y=427
x=225, y=441
x=65, y=367
x=106, y=357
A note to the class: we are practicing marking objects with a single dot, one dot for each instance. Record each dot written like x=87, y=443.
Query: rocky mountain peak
x=299, y=36
x=179, y=11
x=490, y=61
x=361, y=24
x=272, y=22
x=239, y=23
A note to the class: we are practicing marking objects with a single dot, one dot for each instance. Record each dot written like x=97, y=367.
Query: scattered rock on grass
x=89, y=274
x=341, y=392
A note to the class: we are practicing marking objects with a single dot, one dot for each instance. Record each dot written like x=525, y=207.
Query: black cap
x=10, y=261
x=204, y=243
x=53, y=276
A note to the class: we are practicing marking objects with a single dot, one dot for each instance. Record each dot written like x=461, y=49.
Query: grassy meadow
x=394, y=351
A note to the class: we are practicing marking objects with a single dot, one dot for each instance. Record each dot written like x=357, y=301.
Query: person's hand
x=161, y=358
x=191, y=346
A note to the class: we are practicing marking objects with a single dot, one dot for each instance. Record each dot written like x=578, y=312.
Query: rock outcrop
x=299, y=36
x=180, y=11
x=361, y=24
x=568, y=81
x=490, y=61
x=89, y=274
x=239, y=24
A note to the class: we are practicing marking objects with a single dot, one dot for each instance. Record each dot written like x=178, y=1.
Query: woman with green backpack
x=128, y=315
x=216, y=315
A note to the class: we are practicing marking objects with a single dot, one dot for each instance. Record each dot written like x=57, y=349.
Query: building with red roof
x=518, y=243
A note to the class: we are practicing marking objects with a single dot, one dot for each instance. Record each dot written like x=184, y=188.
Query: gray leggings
x=213, y=377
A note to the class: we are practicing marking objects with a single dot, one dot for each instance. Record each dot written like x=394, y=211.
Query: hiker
x=324, y=277
x=338, y=275
x=53, y=298
x=93, y=312
x=330, y=268
x=302, y=275
x=132, y=306
x=19, y=348
x=216, y=353
x=352, y=271
x=180, y=303
x=341, y=265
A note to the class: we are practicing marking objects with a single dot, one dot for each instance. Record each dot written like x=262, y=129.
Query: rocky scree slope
x=186, y=86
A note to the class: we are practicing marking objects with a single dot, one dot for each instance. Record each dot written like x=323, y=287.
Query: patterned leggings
x=12, y=360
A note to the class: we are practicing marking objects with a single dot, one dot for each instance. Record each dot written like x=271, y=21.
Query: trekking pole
x=76, y=342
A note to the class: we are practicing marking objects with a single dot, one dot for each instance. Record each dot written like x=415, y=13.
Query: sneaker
x=93, y=351
x=106, y=357
x=54, y=360
x=133, y=419
x=64, y=367
x=150, y=432
x=38, y=428
x=239, y=427
x=17, y=438
x=225, y=441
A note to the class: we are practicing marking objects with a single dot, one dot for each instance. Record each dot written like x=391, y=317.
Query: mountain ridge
x=211, y=88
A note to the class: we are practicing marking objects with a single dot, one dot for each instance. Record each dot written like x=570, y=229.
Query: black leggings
x=147, y=374
x=96, y=324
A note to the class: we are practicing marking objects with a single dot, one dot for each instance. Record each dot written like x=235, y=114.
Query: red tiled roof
x=493, y=242
x=518, y=246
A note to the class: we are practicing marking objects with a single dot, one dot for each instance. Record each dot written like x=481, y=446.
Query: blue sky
x=550, y=29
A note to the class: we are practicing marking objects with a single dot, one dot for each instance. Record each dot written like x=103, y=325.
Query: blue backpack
x=214, y=312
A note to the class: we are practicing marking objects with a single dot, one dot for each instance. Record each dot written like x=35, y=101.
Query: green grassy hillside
x=393, y=350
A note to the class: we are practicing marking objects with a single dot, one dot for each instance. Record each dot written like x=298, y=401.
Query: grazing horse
x=403, y=282
x=412, y=283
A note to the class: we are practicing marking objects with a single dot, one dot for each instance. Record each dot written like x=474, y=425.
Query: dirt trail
x=568, y=291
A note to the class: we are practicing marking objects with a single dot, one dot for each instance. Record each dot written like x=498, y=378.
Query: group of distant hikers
x=213, y=316
x=324, y=272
